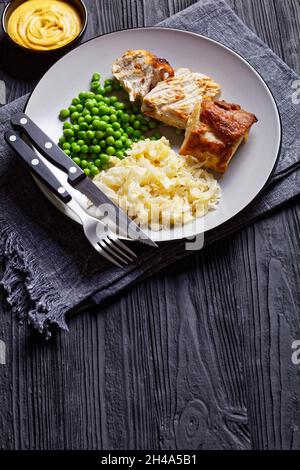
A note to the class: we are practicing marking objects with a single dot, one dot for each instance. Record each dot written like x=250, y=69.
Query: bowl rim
x=48, y=51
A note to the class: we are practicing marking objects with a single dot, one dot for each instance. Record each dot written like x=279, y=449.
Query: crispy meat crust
x=229, y=121
x=214, y=132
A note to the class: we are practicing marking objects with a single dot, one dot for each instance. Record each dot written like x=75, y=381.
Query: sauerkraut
x=159, y=188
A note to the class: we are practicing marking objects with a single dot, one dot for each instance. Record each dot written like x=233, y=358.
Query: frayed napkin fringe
x=27, y=291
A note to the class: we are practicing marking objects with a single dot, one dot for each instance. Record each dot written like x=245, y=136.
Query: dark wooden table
x=198, y=356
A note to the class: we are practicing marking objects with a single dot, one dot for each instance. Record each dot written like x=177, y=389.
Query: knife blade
x=78, y=179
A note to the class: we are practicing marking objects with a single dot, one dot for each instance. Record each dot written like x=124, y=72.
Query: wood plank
x=199, y=356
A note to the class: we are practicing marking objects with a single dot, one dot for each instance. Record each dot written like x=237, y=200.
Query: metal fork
x=98, y=233
x=102, y=238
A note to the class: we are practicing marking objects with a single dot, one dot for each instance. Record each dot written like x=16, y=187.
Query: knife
x=110, y=251
x=78, y=179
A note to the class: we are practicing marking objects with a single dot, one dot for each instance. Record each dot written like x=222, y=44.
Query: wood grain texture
x=198, y=356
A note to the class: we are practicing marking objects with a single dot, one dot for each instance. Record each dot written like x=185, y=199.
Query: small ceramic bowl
x=13, y=4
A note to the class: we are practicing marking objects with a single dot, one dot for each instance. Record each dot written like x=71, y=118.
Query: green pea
x=118, y=144
x=83, y=126
x=110, y=140
x=88, y=118
x=80, y=120
x=64, y=114
x=90, y=135
x=113, y=99
x=136, y=124
x=76, y=148
x=113, y=118
x=106, y=100
x=120, y=106
x=116, y=125
x=119, y=154
x=95, y=85
x=62, y=140
x=100, y=125
x=85, y=112
x=117, y=135
x=101, y=91
x=80, y=142
x=82, y=95
x=66, y=146
x=76, y=160
x=137, y=134
x=84, y=149
x=79, y=108
x=105, y=118
x=97, y=149
x=97, y=163
x=108, y=81
x=128, y=143
x=125, y=118
x=102, y=144
x=67, y=152
x=132, y=118
x=75, y=128
x=109, y=131
x=75, y=101
x=104, y=158
x=68, y=133
x=67, y=125
x=157, y=134
x=94, y=170
x=110, y=150
x=144, y=128
x=87, y=171
x=99, y=98
x=96, y=77
x=89, y=104
x=95, y=111
x=129, y=130
x=99, y=135
x=89, y=95
x=120, y=113
x=82, y=135
x=72, y=109
x=91, y=148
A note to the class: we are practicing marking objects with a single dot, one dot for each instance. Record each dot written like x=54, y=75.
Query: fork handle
x=47, y=147
x=36, y=165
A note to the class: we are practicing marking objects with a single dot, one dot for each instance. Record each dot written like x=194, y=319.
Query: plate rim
x=177, y=30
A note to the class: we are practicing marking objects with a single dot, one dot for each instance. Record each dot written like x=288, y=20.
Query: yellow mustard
x=44, y=24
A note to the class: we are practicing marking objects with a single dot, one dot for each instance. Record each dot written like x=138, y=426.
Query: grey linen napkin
x=48, y=269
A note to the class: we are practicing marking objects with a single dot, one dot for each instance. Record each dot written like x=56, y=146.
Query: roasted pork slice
x=139, y=71
x=172, y=101
x=215, y=131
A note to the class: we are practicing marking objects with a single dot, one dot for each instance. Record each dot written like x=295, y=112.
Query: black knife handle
x=48, y=148
x=36, y=165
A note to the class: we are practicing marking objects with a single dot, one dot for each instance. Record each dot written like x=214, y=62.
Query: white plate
x=252, y=165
